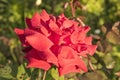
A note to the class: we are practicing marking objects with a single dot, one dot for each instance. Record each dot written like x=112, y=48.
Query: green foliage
x=5, y=72
x=55, y=75
x=102, y=11
x=2, y=58
x=97, y=75
x=21, y=72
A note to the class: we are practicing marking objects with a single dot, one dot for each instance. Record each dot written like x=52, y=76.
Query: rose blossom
x=59, y=41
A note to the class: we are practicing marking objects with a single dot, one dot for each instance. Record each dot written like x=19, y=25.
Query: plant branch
x=44, y=75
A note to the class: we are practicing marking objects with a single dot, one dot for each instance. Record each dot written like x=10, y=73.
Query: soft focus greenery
x=100, y=15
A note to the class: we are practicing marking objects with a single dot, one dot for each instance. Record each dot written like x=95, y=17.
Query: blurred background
x=103, y=16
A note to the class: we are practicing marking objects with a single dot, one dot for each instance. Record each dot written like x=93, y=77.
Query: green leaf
x=48, y=75
x=96, y=75
x=21, y=75
x=2, y=58
x=34, y=74
x=5, y=72
x=55, y=75
x=113, y=37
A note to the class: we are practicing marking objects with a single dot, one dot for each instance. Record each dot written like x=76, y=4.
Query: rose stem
x=44, y=75
x=39, y=75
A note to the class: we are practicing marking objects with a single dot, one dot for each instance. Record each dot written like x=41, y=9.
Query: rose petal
x=66, y=52
x=28, y=22
x=67, y=23
x=92, y=49
x=51, y=58
x=62, y=16
x=55, y=49
x=44, y=31
x=67, y=69
x=53, y=26
x=35, y=21
x=77, y=37
x=19, y=31
x=44, y=15
x=21, y=35
x=73, y=68
x=74, y=37
x=86, y=28
x=36, y=60
x=80, y=35
x=86, y=49
x=88, y=40
x=54, y=38
x=69, y=57
x=64, y=39
x=38, y=40
x=33, y=63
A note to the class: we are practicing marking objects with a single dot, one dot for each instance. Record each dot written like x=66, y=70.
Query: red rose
x=56, y=40
x=69, y=61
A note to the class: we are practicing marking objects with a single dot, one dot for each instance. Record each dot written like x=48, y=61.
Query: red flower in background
x=51, y=40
